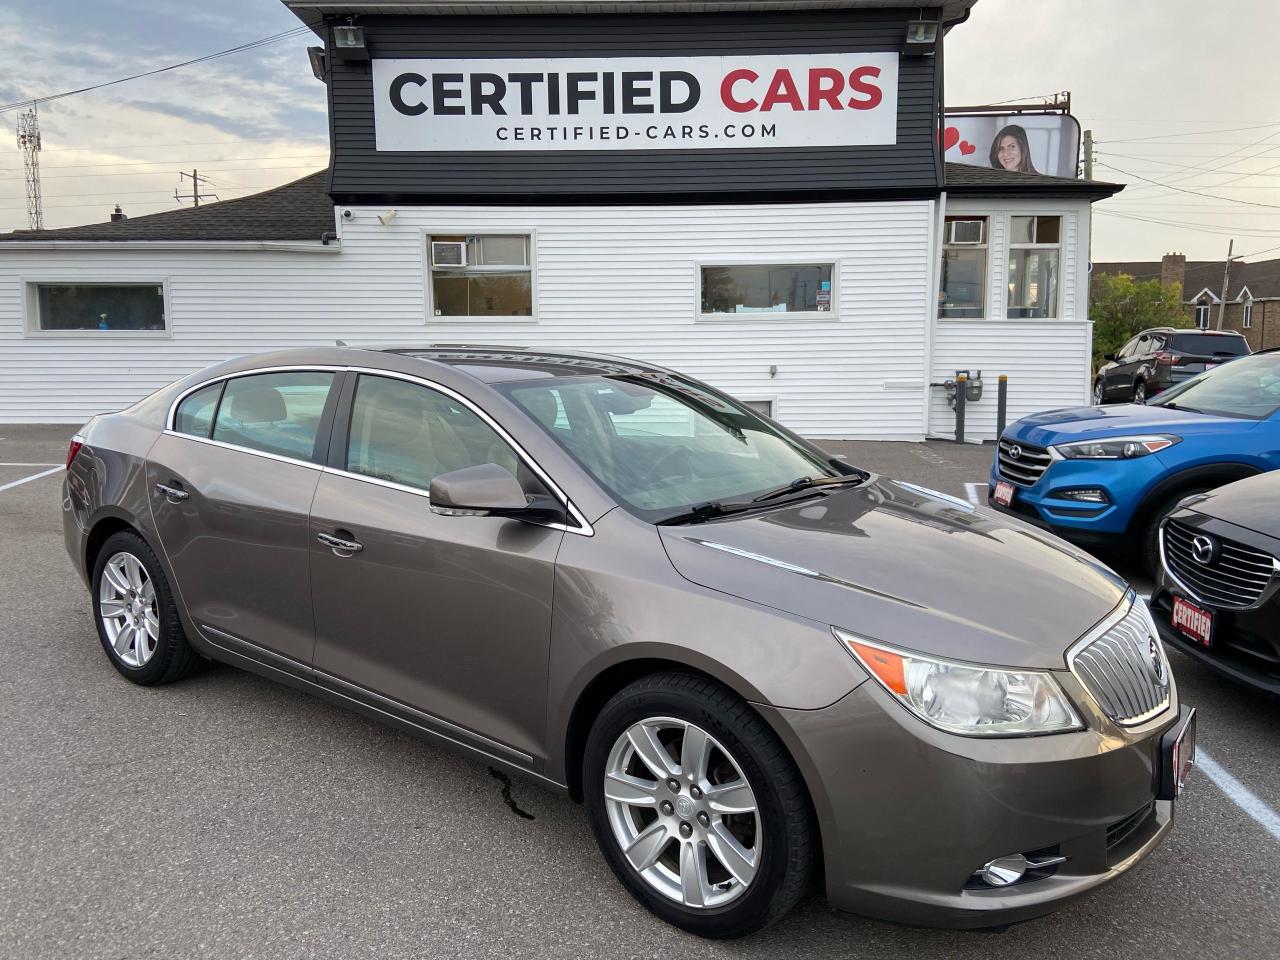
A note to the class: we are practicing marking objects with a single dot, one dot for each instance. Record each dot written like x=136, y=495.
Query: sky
x=1177, y=91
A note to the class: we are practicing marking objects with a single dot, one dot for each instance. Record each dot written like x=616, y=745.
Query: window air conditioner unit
x=964, y=231
x=448, y=253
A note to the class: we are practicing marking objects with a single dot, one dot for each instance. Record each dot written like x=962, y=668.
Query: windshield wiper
x=1178, y=406
x=805, y=483
x=804, y=486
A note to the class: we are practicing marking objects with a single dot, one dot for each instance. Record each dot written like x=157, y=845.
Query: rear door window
x=275, y=413
x=1209, y=345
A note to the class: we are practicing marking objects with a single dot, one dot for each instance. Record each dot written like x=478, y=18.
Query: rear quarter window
x=195, y=413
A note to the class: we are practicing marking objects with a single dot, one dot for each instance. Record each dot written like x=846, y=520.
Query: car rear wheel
x=1097, y=393
x=697, y=806
x=135, y=614
x=1140, y=392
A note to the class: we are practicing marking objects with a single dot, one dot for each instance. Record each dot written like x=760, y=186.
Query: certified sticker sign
x=636, y=103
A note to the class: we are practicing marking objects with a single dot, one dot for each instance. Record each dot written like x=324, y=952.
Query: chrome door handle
x=341, y=548
x=172, y=494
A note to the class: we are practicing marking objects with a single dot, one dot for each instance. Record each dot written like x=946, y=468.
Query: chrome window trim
x=1103, y=627
x=1263, y=598
x=582, y=526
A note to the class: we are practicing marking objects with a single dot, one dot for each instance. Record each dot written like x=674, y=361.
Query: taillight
x=73, y=448
x=1167, y=358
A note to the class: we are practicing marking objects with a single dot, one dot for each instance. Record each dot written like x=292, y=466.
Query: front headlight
x=971, y=700
x=1115, y=448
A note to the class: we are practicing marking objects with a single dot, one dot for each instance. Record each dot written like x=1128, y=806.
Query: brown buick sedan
x=746, y=658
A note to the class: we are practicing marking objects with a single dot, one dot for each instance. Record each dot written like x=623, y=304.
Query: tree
x=1121, y=307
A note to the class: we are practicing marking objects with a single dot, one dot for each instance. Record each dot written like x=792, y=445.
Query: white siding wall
x=608, y=279
x=1047, y=361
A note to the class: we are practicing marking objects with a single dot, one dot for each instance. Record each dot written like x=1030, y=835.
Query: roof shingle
x=300, y=210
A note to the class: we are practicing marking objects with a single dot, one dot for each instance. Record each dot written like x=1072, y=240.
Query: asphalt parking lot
x=227, y=816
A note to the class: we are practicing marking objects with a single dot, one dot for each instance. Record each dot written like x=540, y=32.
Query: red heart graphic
x=950, y=137
x=966, y=147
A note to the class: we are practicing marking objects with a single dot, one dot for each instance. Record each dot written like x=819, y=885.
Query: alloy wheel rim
x=127, y=608
x=1097, y=394
x=683, y=813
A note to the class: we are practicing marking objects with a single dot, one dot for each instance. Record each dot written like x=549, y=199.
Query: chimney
x=118, y=214
x=1173, y=269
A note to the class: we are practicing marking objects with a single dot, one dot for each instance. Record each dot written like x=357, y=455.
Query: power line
x=1194, y=193
x=1184, y=166
x=1201, y=228
x=1195, y=133
x=251, y=45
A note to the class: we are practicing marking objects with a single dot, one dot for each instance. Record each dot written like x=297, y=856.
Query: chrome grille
x=1235, y=577
x=1123, y=666
x=1025, y=468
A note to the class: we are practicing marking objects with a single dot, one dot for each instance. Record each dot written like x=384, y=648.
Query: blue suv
x=1098, y=475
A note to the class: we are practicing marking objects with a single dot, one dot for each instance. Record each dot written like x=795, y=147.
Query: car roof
x=1212, y=333
x=500, y=364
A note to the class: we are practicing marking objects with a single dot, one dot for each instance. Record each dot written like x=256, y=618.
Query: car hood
x=1089, y=423
x=1249, y=503
x=909, y=567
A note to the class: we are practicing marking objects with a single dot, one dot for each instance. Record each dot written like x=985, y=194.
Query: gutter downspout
x=931, y=304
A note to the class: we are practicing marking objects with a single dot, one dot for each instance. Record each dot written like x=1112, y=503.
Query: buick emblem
x=684, y=807
x=1157, y=661
x=1203, y=549
x=1016, y=452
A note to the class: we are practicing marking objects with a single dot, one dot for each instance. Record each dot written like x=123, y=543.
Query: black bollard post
x=962, y=387
x=1002, y=399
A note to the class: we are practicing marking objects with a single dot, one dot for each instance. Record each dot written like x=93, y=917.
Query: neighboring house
x=1253, y=293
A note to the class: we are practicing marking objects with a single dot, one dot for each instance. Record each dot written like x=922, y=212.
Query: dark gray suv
x=745, y=657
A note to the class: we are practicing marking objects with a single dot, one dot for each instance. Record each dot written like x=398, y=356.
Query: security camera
x=348, y=214
x=386, y=218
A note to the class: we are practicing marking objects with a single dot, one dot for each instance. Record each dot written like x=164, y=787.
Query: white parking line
x=971, y=491
x=35, y=476
x=6, y=463
x=1239, y=794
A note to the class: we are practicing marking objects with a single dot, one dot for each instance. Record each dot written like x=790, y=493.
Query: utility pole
x=1226, y=277
x=1088, y=154
x=196, y=180
x=29, y=144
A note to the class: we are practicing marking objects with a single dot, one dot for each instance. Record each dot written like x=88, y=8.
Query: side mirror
x=1109, y=357
x=488, y=490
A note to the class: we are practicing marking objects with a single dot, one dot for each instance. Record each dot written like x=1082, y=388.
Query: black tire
x=173, y=657
x=1098, y=398
x=784, y=812
x=1149, y=543
x=1140, y=392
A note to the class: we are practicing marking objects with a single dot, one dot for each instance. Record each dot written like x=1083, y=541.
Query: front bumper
x=1246, y=643
x=1124, y=482
x=909, y=813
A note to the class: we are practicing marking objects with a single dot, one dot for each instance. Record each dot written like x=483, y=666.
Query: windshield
x=1248, y=388
x=1210, y=344
x=661, y=444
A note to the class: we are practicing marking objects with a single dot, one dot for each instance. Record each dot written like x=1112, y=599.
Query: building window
x=1202, y=316
x=488, y=275
x=1034, y=251
x=1247, y=320
x=772, y=288
x=964, y=268
x=97, y=307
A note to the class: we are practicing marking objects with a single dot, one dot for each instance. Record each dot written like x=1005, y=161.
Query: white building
x=837, y=279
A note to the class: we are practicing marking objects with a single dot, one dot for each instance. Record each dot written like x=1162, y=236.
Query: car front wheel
x=697, y=806
x=1139, y=392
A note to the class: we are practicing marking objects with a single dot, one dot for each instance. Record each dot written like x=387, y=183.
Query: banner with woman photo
x=1046, y=143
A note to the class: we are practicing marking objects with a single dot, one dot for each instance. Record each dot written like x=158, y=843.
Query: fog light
x=1003, y=871
x=1085, y=495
